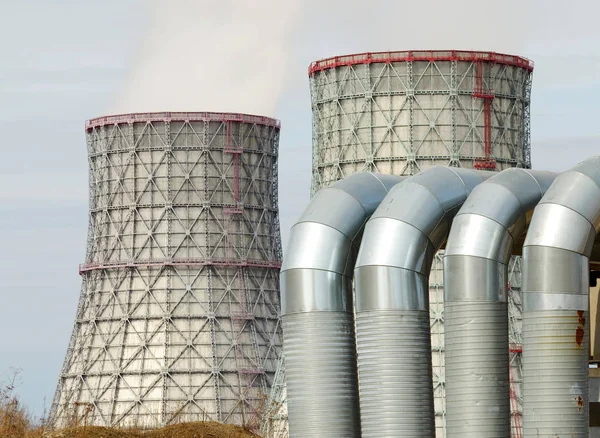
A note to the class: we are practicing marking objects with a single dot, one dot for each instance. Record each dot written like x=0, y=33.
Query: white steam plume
x=203, y=55
x=241, y=56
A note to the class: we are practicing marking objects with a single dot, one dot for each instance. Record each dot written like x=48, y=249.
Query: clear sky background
x=65, y=61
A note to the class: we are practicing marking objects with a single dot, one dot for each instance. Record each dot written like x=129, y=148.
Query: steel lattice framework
x=402, y=112
x=515, y=327
x=275, y=419
x=178, y=318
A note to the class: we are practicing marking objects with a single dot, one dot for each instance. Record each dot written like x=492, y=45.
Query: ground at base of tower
x=185, y=430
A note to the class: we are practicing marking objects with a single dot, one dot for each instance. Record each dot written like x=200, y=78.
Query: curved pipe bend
x=317, y=310
x=476, y=258
x=324, y=242
x=555, y=303
x=392, y=305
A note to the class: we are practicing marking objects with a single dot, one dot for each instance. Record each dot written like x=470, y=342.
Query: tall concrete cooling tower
x=178, y=313
x=402, y=112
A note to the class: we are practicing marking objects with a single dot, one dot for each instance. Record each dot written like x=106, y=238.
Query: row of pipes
x=358, y=359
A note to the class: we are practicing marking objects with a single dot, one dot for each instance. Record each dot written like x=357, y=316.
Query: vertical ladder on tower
x=235, y=149
x=481, y=92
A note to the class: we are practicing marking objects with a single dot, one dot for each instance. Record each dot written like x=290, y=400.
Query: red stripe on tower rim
x=419, y=55
x=181, y=117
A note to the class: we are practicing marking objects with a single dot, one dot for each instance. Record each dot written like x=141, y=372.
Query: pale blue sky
x=65, y=61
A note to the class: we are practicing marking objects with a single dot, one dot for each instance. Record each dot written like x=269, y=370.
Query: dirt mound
x=186, y=430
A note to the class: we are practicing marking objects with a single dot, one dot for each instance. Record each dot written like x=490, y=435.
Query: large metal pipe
x=478, y=250
x=392, y=305
x=555, y=304
x=317, y=308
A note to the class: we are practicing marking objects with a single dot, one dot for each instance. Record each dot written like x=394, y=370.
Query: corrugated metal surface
x=477, y=403
x=555, y=373
x=383, y=339
x=320, y=348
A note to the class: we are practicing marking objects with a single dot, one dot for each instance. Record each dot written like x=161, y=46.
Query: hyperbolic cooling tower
x=178, y=314
x=402, y=112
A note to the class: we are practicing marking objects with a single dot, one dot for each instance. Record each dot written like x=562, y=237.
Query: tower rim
x=166, y=116
x=419, y=55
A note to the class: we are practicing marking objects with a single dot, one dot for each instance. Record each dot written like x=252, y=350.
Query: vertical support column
x=410, y=95
x=515, y=345
x=438, y=350
x=487, y=126
x=454, y=159
x=369, y=107
x=206, y=201
x=216, y=371
x=516, y=429
x=167, y=317
x=526, y=133
x=274, y=189
x=92, y=225
x=316, y=91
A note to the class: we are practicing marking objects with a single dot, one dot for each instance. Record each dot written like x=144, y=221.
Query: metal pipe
x=555, y=304
x=392, y=305
x=317, y=310
x=476, y=258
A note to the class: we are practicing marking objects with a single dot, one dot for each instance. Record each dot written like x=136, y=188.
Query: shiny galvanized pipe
x=475, y=301
x=317, y=308
x=555, y=304
x=392, y=304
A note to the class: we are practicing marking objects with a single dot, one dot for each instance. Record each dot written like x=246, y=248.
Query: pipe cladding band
x=555, y=304
x=479, y=402
x=475, y=295
x=317, y=309
x=399, y=378
x=319, y=346
x=392, y=303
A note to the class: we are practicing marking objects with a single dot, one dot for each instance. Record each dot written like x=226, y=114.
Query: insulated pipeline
x=392, y=303
x=319, y=354
x=394, y=375
x=555, y=304
x=317, y=308
x=475, y=294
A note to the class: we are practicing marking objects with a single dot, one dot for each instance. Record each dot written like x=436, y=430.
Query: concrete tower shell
x=403, y=112
x=178, y=318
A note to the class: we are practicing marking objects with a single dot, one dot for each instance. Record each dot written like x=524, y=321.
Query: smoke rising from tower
x=220, y=56
x=242, y=56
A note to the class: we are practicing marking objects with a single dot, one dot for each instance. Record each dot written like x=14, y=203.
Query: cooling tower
x=402, y=112
x=178, y=314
